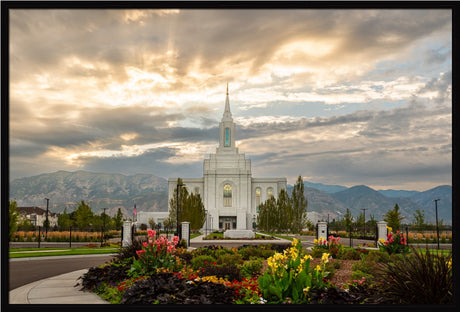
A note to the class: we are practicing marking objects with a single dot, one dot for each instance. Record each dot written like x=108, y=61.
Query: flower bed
x=158, y=272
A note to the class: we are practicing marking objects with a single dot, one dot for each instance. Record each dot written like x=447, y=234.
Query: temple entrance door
x=227, y=225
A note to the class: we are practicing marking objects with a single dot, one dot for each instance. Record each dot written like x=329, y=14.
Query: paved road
x=28, y=270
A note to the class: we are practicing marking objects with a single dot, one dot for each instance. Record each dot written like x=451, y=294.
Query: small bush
x=252, y=268
x=202, y=261
x=419, y=278
x=248, y=252
x=229, y=272
x=230, y=259
x=348, y=254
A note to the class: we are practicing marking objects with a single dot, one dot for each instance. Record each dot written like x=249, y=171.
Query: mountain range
x=150, y=193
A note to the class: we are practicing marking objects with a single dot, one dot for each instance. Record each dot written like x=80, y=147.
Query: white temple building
x=230, y=194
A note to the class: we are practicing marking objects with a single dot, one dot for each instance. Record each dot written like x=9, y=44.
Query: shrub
x=230, y=272
x=202, y=261
x=348, y=254
x=420, y=278
x=230, y=259
x=262, y=251
x=252, y=268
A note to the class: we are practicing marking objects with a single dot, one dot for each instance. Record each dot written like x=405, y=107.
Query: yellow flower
x=325, y=258
x=294, y=242
x=318, y=268
x=315, y=241
x=389, y=229
x=305, y=290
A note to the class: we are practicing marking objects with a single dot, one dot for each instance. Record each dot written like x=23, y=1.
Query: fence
x=72, y=235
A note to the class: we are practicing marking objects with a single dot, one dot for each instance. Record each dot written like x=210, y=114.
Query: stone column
x=186, y=232
x=381, y=230
x=322, y=230
x=126, y=240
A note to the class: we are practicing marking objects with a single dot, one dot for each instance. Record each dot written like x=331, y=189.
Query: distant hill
x=101, y=190
x=150, y=193
x=398, y=193
x=444, y=193
x=363, y=197
x=324, y=187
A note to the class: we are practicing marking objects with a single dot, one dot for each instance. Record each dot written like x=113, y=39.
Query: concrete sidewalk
x=55, y=290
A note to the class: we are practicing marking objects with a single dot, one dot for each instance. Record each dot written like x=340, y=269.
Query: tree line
x=191, y=209
x=285, y=214
x=81, y=218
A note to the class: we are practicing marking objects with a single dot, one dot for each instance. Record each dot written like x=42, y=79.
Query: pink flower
x=175, y=240
x=145, y=244
x=140, y=252
x=151, y=233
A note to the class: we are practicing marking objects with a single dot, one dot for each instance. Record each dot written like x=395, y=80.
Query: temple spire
x=227, y=113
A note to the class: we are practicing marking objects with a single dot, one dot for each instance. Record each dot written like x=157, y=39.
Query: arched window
x=227, y=195
x=227, y=136
x=270, y=192
x=257, y=199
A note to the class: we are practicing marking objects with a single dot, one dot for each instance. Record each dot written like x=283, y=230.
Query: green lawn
x=43, y=252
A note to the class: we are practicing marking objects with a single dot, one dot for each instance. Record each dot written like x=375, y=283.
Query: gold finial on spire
x=227, y=87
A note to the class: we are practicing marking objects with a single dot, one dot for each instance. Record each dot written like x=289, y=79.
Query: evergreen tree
x=268, y=215
x=13, y=216
x=64, y=221
x=195, y=212
x=299, y=207
x=262, y=218
x=118, y=219
x=83, y=215
x=348, y=220
x=419, y=217
x=284, y=210
x=191, y=208
x=152, y=223
x=359, y=223
x=183, y=195
x=393, y=218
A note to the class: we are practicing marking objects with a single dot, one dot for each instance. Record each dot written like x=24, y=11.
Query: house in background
x=37, y=215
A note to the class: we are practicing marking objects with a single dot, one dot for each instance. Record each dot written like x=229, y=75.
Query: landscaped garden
x=159, y=271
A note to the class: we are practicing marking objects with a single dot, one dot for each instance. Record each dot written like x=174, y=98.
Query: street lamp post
x=103, y=228
x=206, y=230
x=47, y=221
x=364, y=212
x=177, y=209
x=437, y=227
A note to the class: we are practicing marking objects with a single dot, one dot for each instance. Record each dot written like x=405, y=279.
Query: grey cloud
x=149, y=162
x=212, y=35
x=436, y=57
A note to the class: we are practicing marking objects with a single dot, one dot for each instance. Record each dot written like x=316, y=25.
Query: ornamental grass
x=419, y=278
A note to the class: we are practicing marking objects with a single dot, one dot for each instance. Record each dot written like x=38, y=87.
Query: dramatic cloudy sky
x=338, y=96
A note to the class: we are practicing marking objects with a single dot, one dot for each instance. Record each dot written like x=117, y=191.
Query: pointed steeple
x=227, y=114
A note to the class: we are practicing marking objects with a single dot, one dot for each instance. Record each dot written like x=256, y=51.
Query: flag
x=135, y=210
